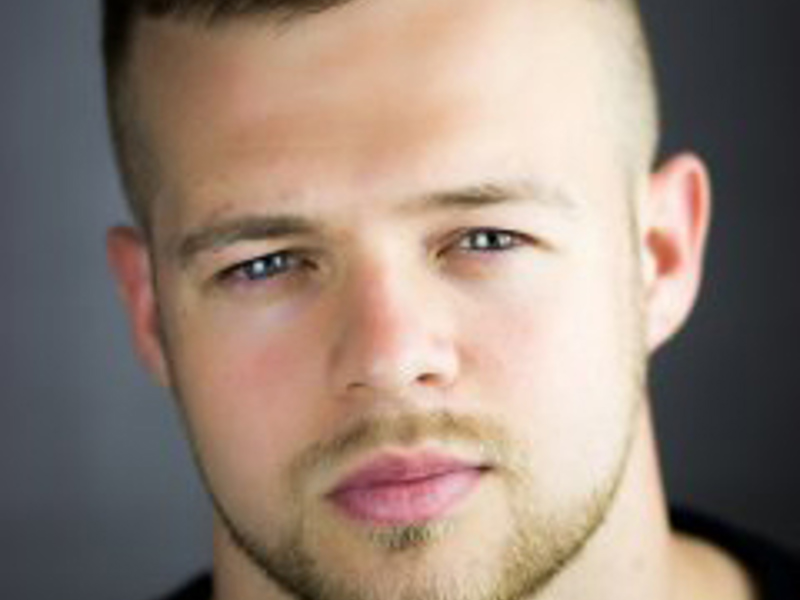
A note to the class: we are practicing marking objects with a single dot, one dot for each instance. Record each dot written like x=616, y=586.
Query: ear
x=674, y=228
x=129, y=260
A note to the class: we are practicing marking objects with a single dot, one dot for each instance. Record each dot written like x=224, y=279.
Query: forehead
x=375, y=97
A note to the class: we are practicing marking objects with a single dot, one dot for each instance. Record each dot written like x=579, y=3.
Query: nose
x=396, y=336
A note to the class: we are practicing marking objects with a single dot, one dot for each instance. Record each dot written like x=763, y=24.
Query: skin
x=353, y=121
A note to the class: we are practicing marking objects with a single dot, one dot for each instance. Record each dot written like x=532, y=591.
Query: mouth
x=397, y=489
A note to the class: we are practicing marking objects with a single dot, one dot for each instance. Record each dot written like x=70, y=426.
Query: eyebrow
x=261, y=227
x=501, y=192
x=242, y=228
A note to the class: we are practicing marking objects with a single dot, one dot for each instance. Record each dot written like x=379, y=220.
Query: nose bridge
x=396, y=331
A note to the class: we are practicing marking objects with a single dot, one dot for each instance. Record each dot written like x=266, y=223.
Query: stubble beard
x=537, y=547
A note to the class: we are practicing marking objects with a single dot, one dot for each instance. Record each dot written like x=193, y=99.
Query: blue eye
x=264, y=267
x=489, y=240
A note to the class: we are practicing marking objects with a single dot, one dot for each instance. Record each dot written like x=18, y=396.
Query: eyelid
x=296, y=256
x=519, y=238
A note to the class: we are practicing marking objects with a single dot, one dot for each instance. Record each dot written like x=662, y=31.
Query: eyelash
x=510, y=240
x=264, y=268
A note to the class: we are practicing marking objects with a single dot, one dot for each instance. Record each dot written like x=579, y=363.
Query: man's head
x=404, y=265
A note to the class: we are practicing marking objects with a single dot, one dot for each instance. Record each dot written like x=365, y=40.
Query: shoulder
x=773, y=569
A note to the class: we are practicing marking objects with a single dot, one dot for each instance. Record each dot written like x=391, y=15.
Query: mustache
x=483, y=436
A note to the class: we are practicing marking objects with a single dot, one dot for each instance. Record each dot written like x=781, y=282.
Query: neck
x=635, y=554
x=631, y=554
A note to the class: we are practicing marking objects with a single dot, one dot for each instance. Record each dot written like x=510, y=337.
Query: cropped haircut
x=120, y=18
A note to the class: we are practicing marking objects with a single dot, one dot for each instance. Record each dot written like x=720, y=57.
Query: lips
x=403, y=490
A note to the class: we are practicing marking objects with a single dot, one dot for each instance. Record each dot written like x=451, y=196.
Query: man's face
x=396, y=277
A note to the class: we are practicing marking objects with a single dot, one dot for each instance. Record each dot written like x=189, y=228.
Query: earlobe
x=129, y=260
x=674, y=228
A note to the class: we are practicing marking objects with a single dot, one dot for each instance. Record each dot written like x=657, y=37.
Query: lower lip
x=407, y=502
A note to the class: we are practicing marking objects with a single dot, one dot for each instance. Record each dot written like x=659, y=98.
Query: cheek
x=556, y=368
x=249, y=393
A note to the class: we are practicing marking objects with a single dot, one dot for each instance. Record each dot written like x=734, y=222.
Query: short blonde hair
x=135, y=161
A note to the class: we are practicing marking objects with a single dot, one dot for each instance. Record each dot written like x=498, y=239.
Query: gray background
x=98, y=498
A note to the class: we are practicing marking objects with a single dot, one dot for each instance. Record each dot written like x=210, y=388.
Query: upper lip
x=394, y=469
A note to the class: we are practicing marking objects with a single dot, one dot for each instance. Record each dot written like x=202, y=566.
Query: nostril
x=428, y=379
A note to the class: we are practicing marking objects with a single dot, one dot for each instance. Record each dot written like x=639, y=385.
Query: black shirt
x=774, y=570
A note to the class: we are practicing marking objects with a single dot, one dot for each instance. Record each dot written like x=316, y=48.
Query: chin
x=493, y=547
